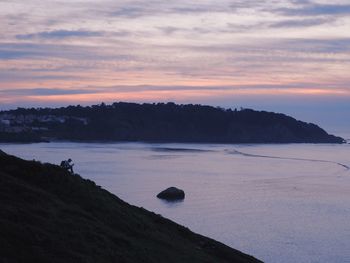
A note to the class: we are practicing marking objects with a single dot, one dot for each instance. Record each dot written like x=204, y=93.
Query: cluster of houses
x=16, y=123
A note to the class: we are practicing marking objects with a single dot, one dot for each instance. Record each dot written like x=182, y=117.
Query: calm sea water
x=280, y=203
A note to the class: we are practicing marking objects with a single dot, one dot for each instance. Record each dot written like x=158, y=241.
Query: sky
x=289, y=56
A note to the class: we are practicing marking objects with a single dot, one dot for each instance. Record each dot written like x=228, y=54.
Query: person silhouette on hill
x=68, y=165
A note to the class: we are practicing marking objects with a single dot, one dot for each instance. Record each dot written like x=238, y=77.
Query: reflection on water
x=172, y=203
x=280, y=203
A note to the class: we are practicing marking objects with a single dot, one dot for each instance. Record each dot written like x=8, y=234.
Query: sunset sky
x=288, y=56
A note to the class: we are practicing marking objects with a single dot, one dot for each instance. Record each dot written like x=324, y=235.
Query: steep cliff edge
x=48, y=215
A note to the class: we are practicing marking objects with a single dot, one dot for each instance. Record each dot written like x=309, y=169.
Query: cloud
x=129, y=12
x=46, y=92
x=195, y=9
x=159, y=42
x=168, y=30
x=330, y=45
x=60, y=34
x=288, y=45
x=296, y=23
x=153, y=8
x=311, y=9
x=10, y=51
x=139, y=91
x=6, y=54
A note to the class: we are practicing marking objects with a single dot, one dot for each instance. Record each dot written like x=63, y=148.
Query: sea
x=278, y=202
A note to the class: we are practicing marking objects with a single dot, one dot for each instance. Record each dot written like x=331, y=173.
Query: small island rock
x=171, y=194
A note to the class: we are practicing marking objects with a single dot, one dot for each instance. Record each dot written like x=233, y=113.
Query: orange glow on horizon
x=169, y=95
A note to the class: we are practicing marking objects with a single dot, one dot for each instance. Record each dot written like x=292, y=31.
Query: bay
x=280, y=203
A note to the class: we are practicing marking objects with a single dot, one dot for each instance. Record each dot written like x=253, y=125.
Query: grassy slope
x=47, y=215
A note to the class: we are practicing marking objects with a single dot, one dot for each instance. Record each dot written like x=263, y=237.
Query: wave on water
x=168, y=149
x=234, y=151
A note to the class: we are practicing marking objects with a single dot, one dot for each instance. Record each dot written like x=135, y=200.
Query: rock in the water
x=172, y=193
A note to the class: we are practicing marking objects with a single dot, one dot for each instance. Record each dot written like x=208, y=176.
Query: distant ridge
x=161, y=122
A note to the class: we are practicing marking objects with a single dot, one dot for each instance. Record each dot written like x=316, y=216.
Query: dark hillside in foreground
x=157, y=123
x=48, y=215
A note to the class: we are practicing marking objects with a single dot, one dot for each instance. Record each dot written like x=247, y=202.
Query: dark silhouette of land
x=157, y=123
x=49, y=215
